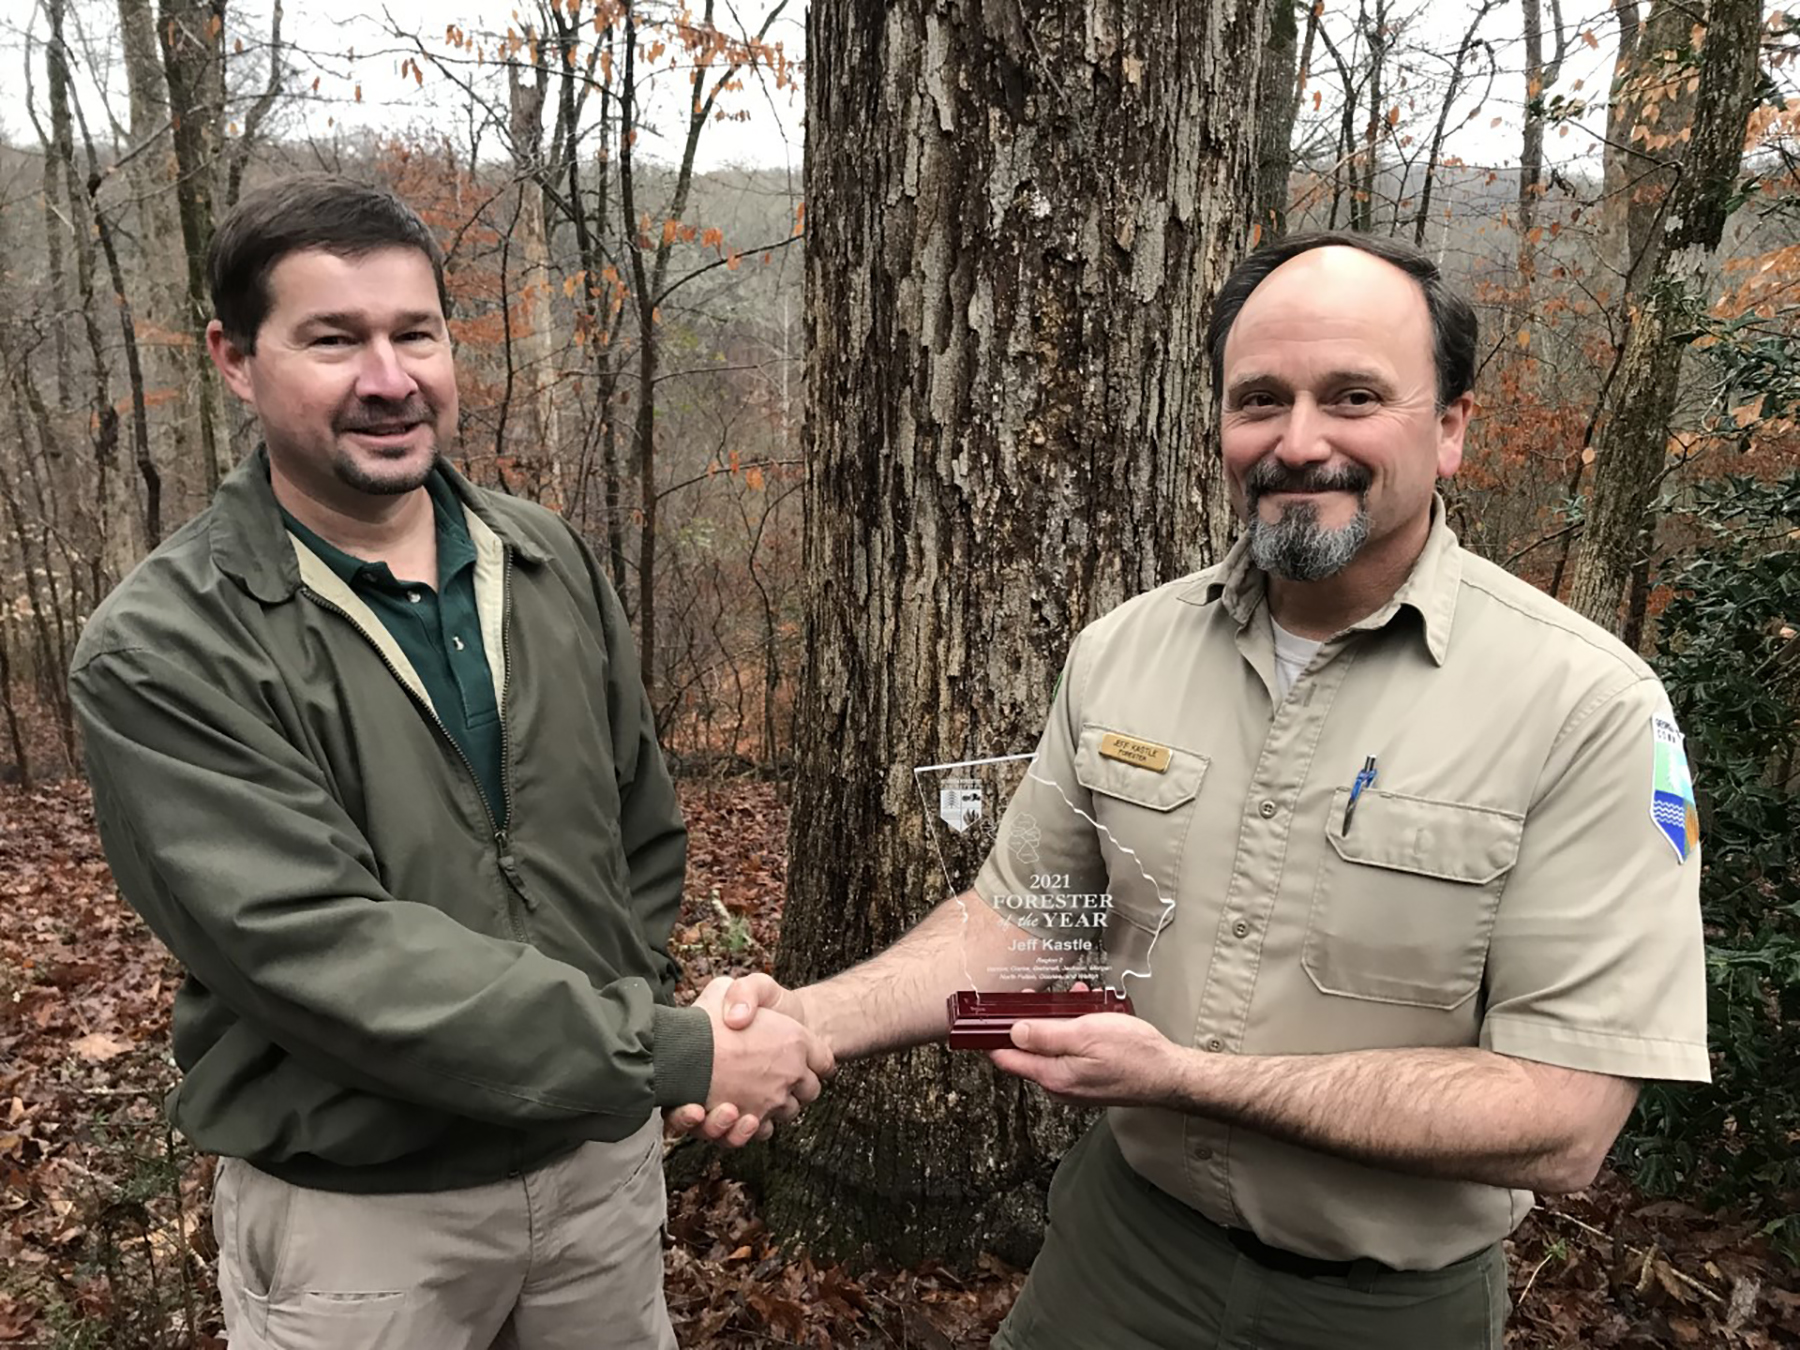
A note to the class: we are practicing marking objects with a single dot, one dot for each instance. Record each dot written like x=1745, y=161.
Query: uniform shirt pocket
x=1142, y=817
x=1404, y=903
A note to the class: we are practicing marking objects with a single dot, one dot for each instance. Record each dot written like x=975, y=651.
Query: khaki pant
x=566, y=1257
x=1127, y=1267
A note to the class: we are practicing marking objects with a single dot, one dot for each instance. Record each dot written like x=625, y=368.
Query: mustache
x=1269, y=475
x=371, y=414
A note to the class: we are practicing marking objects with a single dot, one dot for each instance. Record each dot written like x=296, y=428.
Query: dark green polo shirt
x=440, y=632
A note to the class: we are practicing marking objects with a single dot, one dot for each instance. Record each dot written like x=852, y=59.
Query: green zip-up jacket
x=386, y=991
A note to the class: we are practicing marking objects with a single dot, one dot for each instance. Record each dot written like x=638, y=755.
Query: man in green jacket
x=372, y=755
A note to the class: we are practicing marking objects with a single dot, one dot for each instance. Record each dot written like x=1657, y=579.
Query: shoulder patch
x=1672, y=788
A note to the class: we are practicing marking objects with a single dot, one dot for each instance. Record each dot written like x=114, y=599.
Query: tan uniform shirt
x=1503, y=883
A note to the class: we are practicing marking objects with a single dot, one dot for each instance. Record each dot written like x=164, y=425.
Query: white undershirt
x=1292, y=654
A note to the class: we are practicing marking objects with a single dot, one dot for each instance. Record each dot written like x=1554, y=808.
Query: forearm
x=1464, y=1114
x=897, y=998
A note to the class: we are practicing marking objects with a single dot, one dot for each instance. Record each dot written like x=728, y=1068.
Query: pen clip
x=1365, y=777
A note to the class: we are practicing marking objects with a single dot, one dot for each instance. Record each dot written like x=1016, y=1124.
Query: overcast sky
x=323, y=35
x=326, y=32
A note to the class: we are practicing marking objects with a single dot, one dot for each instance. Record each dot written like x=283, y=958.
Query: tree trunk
x=134, y=369
x=1362, y=211
x=1276, y=109
x=1629, y=447
x=1539, y=76
x=115, y=542
x=52, y=657
x=193, y=64
x=637, y=242
x=62, y=298
x=15, y=734
x=1017, y=217
x=167, y=335
x=1649, y=100
x=1617, y=155
x=1637, y=595
x=531, y=232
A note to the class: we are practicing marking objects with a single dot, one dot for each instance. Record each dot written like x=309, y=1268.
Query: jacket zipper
x=502, y=841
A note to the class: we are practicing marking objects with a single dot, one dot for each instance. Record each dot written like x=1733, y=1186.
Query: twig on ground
x=1588, y=1228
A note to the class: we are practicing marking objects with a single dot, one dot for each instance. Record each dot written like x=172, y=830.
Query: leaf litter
x=105, y=1221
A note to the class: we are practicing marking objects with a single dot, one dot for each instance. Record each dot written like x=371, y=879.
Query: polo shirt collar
x=347, y=567
x=455, y=550
x=249, y=538
x=1430, y=589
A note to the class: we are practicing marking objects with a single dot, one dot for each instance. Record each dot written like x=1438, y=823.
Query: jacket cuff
x=682, y=1053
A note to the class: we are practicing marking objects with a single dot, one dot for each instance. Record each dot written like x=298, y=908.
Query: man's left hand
x=1103, y=1059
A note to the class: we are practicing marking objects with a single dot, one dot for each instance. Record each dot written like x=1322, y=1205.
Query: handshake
x=767, y=1063
x=772, y=1046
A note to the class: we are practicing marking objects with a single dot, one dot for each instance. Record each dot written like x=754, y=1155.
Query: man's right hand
x=749, y=994
x=764, y=1068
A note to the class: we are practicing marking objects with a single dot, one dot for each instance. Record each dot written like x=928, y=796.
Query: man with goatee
x=1415, y=845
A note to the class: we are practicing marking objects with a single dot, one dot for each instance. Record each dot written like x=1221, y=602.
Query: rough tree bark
x=1017, y=216
x=1277, y=105
x=1649, y=97
x=191, y=33
x=167, y=335
x=531, y=234
x=1630, y=443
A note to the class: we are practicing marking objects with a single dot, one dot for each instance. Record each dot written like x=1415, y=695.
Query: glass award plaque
x=1037, y=943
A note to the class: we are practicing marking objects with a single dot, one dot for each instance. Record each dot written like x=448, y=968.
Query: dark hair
x=307, y=210
x=1453, y=322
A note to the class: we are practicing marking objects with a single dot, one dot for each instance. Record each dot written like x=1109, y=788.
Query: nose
x=382, y=375
x=1303, y=434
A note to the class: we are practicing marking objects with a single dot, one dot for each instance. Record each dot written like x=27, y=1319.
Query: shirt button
x=1266, y=810
x=1203, y=1154
x=413, y=596
x=1215, y=1045
x=1240, y=929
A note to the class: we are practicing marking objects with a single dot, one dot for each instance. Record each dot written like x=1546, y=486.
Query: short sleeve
x=1597, y=959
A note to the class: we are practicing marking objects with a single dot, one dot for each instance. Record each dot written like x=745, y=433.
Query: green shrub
x=1727, y=658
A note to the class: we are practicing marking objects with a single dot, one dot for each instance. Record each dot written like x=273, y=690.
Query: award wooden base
x=984, y=1021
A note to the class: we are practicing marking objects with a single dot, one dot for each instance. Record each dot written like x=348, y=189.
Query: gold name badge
x=1129, y=751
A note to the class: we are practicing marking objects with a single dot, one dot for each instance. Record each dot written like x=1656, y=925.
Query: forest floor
x=105, y=1237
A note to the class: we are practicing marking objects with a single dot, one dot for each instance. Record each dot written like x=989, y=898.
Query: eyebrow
x=1262, y=380
x=413, y=318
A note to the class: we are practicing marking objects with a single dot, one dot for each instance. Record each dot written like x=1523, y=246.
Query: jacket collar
x=250, y=543
x=1430, y=589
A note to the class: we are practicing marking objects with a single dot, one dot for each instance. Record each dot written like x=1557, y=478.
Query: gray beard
x=1297, y=548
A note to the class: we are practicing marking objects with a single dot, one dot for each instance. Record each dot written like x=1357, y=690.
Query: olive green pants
x=1127, y=1267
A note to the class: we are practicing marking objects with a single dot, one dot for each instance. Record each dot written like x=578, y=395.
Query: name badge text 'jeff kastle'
x=1129, y=750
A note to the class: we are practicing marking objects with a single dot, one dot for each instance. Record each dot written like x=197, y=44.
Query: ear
x=233, y=362
x=1453, y=424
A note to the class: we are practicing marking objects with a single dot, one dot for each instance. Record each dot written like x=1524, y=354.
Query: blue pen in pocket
x=1365, y=777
